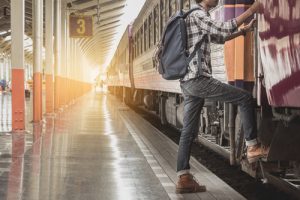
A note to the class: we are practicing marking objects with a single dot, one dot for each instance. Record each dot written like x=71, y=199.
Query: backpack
x=171, y=56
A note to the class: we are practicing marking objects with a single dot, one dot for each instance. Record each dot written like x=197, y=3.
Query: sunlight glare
x=131, y=11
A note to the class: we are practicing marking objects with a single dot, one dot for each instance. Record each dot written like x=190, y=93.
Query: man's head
x=208, y=3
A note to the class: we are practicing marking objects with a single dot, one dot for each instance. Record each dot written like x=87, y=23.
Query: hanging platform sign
x=81, y=26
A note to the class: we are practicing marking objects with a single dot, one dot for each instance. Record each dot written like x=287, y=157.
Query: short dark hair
x=198, y=1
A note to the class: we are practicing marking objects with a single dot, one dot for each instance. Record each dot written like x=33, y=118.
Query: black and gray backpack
x=171, y=56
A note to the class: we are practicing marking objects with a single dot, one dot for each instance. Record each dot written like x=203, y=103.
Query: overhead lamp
x=98, y=12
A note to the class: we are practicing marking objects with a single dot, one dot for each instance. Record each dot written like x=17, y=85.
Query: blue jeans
x=194, y=92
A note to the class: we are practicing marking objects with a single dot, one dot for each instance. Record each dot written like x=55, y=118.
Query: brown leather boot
x=256, y=152
x=188, y=184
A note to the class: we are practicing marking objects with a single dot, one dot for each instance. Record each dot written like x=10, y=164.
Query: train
x=266, y=62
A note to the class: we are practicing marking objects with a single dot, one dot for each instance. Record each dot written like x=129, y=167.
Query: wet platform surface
x=5, y=112
x=96, y=149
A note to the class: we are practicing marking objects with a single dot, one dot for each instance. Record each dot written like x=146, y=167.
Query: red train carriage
x=279, y=45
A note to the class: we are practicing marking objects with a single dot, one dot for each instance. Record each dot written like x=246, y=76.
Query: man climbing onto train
x=198, y=84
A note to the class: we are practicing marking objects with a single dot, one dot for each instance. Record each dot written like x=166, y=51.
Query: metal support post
x=37, y=59
x=57, y=54
x=49, y=57
x=17, y=56
x=63, y=89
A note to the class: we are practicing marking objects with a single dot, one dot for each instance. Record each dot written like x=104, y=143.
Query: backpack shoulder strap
x=197, y=46
x=192, y=55
x=190, y=11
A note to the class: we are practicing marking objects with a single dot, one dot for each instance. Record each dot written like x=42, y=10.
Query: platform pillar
x=68, y=59
x=49, y=57
x=73, y=63
x=17, y=56
x=37, y=59
x=57, y=67
x=63, y=89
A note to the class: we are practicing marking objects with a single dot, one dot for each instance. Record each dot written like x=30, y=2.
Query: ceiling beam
x=102, y=10
x=85, y=5
x=107, y=31
x=99, y=45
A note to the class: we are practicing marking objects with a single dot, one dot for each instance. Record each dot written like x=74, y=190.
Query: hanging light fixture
x=98, y=12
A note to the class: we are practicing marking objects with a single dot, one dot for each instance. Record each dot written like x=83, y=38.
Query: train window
x=151, y=30
x=167, y=10
x=173, y=7
x=127, y=57
x=186, y=4
x=141, y=40
x=134, y=46
x=138, y=43
x=170, y=7
x=146, y=38
x=156, y=25
x=162, y=15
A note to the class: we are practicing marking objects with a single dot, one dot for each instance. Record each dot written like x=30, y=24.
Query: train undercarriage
x=221, y=131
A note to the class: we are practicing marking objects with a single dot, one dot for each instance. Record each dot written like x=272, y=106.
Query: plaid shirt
x=200, y=27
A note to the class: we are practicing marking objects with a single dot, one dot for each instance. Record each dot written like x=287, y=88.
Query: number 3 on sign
x=81, y=29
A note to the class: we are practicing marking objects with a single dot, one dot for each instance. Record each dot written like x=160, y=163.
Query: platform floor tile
x=96, y=148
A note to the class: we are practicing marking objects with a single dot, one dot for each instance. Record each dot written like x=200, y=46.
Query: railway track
x=216, y=159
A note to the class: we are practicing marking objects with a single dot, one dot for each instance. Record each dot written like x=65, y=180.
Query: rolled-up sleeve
x=217, y=30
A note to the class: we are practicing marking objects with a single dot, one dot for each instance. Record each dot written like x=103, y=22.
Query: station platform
x=96, y=148
x=6, y=115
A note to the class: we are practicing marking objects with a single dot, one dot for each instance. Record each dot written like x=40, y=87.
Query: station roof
x=107, y=17
x=5, y=29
